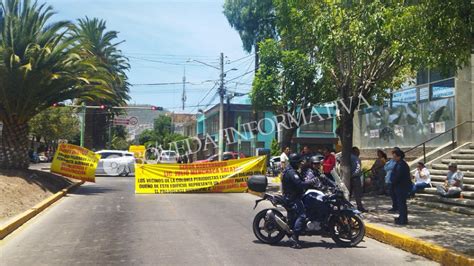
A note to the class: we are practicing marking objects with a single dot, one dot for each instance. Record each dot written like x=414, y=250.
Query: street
x=106, y=223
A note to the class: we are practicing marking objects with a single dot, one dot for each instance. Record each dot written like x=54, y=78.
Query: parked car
x=168, y=157
x=228, y=155
x=114, y=162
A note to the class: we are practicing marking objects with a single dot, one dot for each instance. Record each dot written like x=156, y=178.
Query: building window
x=324, y=126
x=245, y=148
x=212, y=125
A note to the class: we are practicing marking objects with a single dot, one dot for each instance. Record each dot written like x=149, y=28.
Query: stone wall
x=464, y=102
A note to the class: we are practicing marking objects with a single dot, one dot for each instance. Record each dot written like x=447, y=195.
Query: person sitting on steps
x=452, y=187
x=422, y=178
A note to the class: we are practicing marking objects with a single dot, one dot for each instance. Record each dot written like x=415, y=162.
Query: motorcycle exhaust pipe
x=280, y=223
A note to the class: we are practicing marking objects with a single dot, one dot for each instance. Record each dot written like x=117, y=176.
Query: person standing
x=306, y=153
x=402, y=185
x=329, y=163
x=378, y=172
x=284, y=157
x=388, y=182
x=356, y=183
x=422, y=178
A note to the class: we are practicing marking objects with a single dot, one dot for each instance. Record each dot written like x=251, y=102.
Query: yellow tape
x=225, y=176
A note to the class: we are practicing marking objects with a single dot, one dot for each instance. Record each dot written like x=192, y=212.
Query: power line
x=181, y=62
x=205, y=96
x=173, y=83
x=171, y=55
x=237, y=60
x=246, y=73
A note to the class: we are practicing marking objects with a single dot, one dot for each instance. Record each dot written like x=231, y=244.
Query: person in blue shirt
x=402, y=185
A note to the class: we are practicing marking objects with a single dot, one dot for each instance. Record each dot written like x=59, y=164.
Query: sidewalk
x=448, y=229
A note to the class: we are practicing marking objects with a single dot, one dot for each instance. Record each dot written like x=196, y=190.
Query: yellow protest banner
x=138, y=150
x=75, y=162
x=225, y=176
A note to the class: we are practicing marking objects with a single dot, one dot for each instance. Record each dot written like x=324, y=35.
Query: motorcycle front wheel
x=347, y=230
x=265, y=230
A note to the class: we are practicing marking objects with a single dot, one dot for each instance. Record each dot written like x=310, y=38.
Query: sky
x=162, y=40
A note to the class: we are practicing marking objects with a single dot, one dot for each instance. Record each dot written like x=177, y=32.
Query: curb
x=27, y=215
x=416, y=246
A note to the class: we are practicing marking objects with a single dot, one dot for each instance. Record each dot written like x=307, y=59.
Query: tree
x=161, y=134
x=254, y=20
x=38, y=67
x=364, y=47
x=101, y=47
x=119, y=138
x=286, y=82
x=53, y=124
x=275, y=148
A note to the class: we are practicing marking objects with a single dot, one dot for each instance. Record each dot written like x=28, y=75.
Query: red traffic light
x=103, y=107
x=58, y=105
x=156, y=108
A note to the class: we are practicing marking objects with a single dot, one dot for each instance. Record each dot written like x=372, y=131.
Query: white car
x=115, y=163
x=168, y=157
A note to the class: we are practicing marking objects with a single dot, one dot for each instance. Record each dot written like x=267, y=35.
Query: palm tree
x=39, y=65
x=98, y=44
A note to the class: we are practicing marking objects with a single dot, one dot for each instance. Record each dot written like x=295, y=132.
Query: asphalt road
x=106, y=223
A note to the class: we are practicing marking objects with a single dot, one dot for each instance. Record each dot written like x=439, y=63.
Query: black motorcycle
x=328, y=215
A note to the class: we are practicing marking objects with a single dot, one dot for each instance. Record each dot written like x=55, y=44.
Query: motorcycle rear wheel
x=347, y=230
x=267, y=231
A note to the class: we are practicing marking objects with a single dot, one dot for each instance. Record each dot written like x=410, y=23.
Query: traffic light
x=156, y=108
x=103, y=107
x=58, y=105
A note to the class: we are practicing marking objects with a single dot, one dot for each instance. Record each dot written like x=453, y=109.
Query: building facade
x=239, y=138
x=434, y=104
x=236, y=137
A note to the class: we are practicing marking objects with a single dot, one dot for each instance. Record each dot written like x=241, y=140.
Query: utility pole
x=221, y=111
x=183, y=97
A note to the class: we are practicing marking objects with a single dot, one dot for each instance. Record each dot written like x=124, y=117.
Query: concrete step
x=445, y=206
x=440, y=172
x=435, y=198
x=442, y=178
x=463, y=156
x=460, y=167
x=466, y=187
x=466, y=151
x=432, y=191
x=458, y=161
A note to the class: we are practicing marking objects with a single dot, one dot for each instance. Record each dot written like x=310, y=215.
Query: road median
x=24, y=217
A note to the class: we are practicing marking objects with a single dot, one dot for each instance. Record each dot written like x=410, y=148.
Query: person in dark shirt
x=356, y=183
x=402, y=185
x=306, y=153
x=293, y=187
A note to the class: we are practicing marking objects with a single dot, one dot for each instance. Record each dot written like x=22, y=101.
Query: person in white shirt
x=453, y=185
x=284, y=157
x=422, y=178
